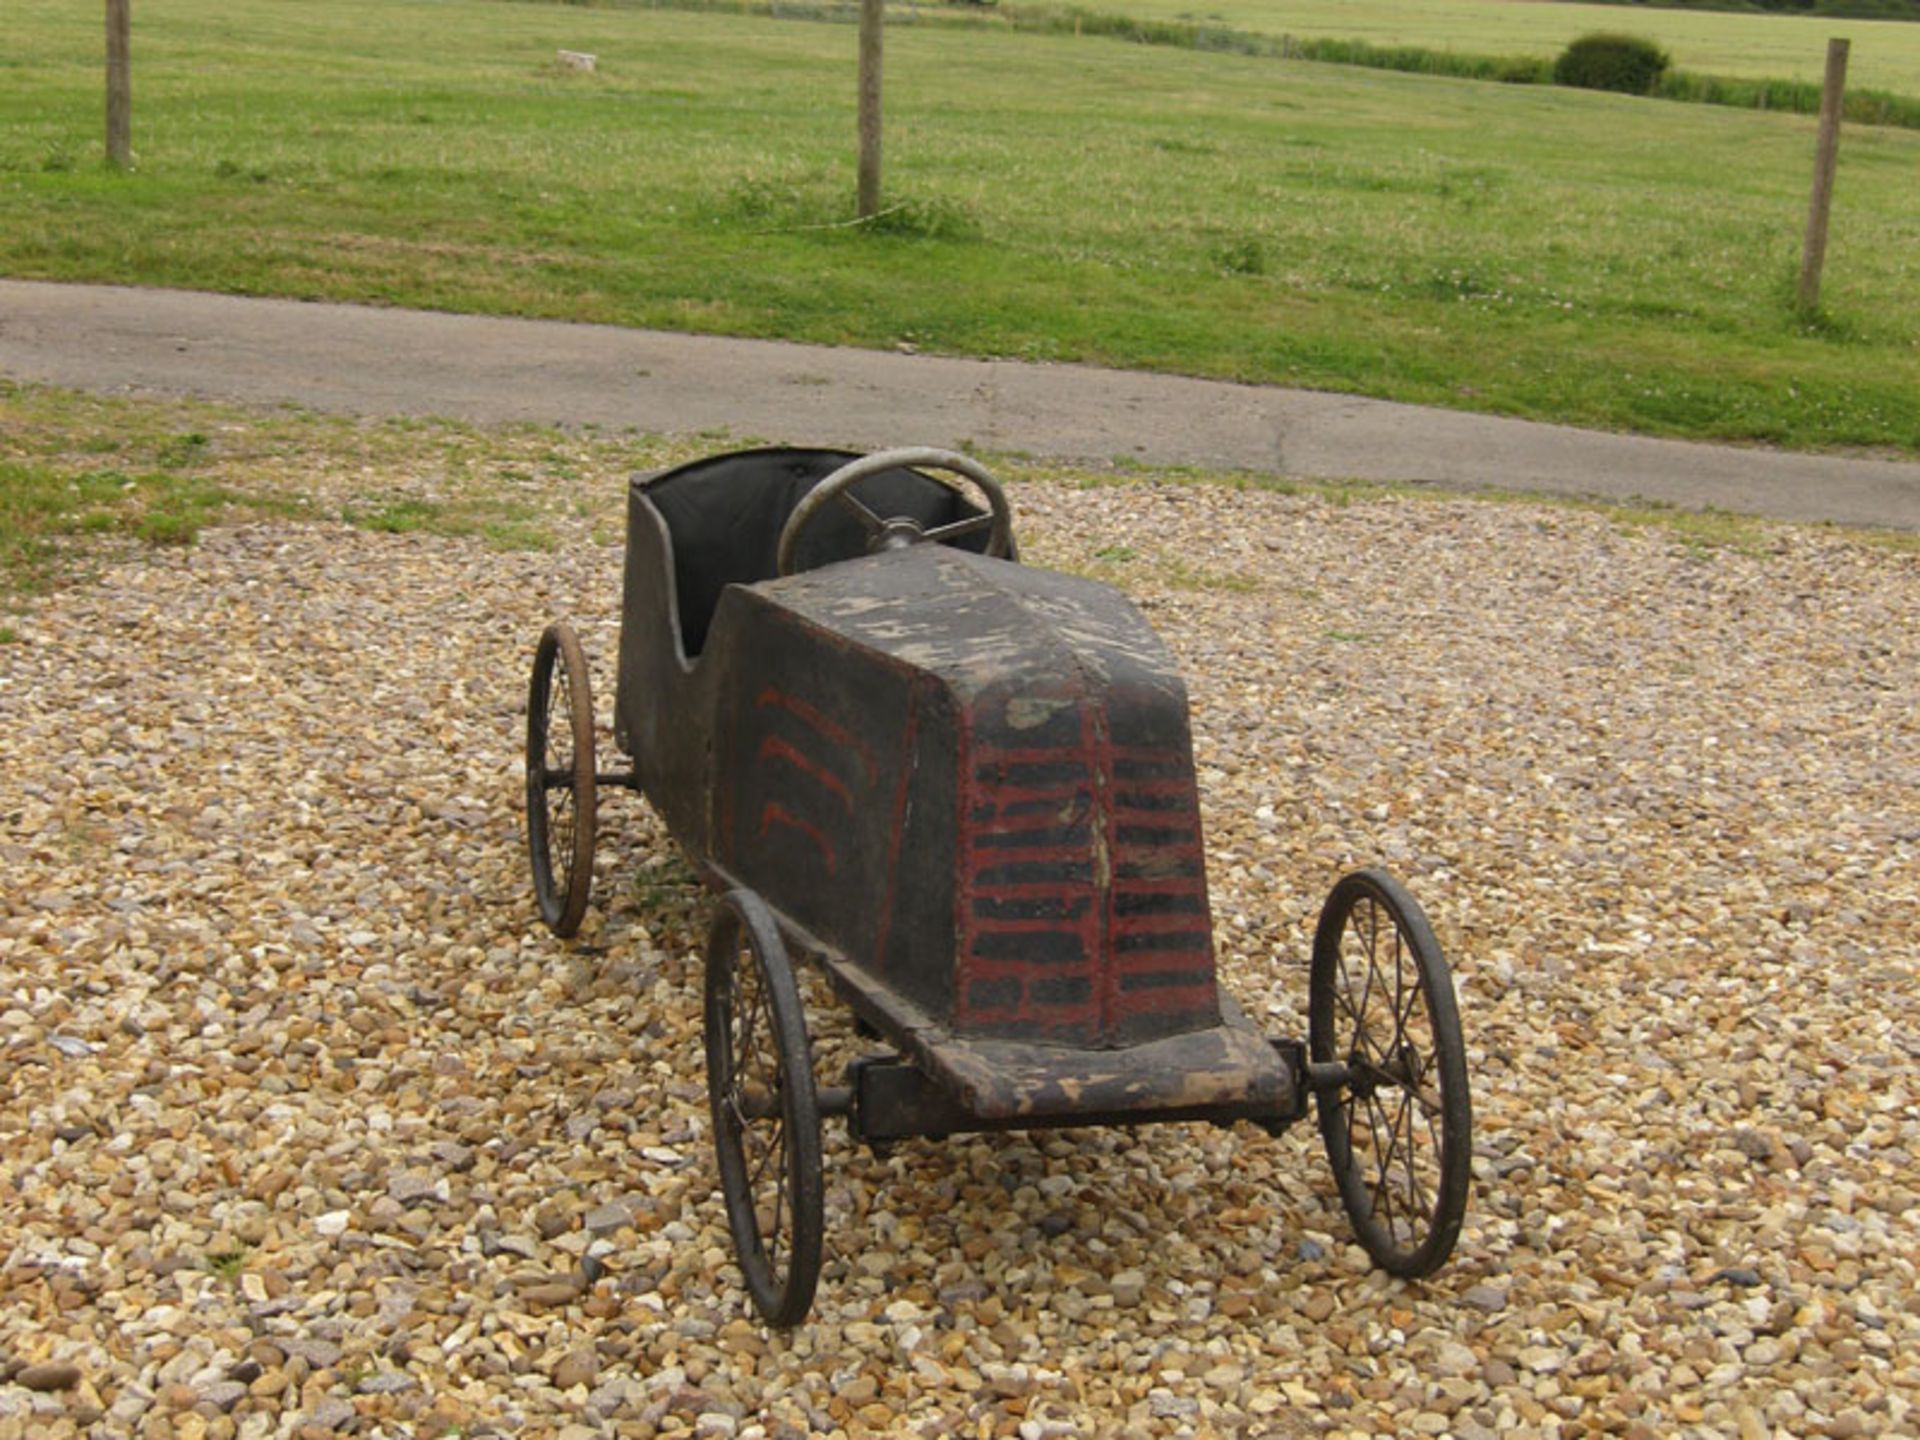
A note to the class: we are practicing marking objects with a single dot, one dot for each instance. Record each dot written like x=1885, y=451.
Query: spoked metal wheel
x=1398, y=1128
x=766, y=1116
x=561, y=811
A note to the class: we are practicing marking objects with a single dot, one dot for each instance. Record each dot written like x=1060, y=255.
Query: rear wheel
x=561, y=803
x=1398, y=1130
x=766, y=1116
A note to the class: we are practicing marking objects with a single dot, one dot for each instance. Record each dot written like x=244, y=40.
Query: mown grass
x=1860, y=104
x=1422, y=39
x=1527, y=251
x=1742, y=45
x=1885, y=53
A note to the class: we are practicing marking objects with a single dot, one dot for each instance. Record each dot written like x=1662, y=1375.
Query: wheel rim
x=556, y=779
x=1397, y=1132
x=765, y=1114
x=560, y=780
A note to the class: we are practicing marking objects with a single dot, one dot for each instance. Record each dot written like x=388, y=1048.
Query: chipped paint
x=1028, y=712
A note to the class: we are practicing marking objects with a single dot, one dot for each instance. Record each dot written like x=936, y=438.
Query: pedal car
x=964, y=788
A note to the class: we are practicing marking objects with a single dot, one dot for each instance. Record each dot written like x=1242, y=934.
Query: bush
x=1523, y=70
x=1626, y=63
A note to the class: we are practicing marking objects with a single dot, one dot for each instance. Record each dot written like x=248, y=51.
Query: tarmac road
x=363, y=360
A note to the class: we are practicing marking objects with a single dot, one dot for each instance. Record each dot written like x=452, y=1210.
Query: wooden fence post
x=1813, y=255
x=872, y=20
x=119, y=86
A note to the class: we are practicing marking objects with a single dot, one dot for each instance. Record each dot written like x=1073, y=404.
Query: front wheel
x=561, y=804
x=1398, y=1131
x=766, y=1116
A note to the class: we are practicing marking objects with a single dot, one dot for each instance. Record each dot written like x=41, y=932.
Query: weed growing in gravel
x=510, y=533
x=45, y=509
x=401, y=517
x=84, y=842
x=1120, y=563
x=184, y=450
x=1700, y=531
x=666, y=888
x=1899, y=541
x=1180, y=575
x=504, y=525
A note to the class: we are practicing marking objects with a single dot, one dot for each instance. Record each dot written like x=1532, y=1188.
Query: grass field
x=1885, y=54
x=1529, y=251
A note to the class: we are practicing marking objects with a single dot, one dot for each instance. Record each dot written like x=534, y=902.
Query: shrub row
x=1798, y=97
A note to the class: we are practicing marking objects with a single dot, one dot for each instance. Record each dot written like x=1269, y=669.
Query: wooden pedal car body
x=964, y=788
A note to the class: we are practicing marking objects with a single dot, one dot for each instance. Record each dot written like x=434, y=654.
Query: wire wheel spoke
x=772, y=1228
x=1356, y=1010
x=1399, y=1149
x=1408, y=1014
x=1363, y=940
x=1412, y=1159
x=1381, y=1144
x=746, y=1028
x=560, y=819
x=764, y=1142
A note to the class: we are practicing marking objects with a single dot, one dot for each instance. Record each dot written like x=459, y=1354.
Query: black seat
x=724, y=515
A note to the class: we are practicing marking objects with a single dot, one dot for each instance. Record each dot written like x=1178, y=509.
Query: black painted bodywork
x=964, y=785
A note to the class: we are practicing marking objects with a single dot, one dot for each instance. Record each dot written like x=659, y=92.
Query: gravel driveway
x=307, y=1128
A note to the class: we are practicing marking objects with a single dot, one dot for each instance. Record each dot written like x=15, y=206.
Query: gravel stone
x=605, y=1219
x=576, y=1367
x=223, y=1394
x=52, y=1375
x=310, y=1353
x=261, y=830
x=331, y=1414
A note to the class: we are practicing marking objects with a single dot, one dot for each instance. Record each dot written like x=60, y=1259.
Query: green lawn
x=1885, y=54
x=1525, y=250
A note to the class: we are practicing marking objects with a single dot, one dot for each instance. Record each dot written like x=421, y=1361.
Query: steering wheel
x=899, y=531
